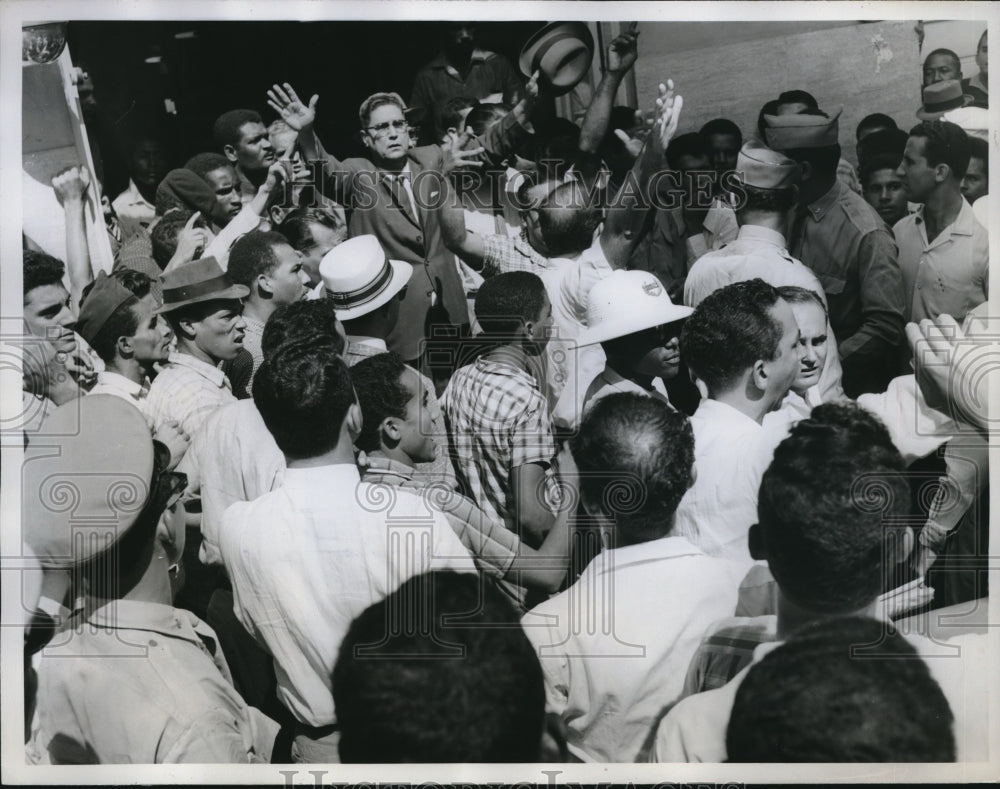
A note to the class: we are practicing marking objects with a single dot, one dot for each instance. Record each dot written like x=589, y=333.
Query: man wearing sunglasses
x=132, y=680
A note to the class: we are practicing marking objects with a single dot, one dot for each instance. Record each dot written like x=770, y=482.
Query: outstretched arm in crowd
x=469, y=246
x=630, y=209
x=622, y=54
x=534, y=519
x=71, y=187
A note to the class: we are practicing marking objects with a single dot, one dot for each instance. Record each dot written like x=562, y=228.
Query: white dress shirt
x=118, y=385
x=731, y=453
x=615, y=646
x=308, y=558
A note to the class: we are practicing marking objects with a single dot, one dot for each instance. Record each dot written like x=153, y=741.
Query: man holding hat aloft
x=847, y=246
x=137, y=681
x=631, y=315
x=768, y=196
x=204, y=309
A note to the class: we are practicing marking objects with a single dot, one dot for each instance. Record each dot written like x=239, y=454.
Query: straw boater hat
x=197, y=281
x=940, y=97
x=626, y=302
x=359, y=278
x=562, y=52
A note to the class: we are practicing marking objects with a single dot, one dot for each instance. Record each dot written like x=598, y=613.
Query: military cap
x=103, y=300
x=785, y=132
x=763, y=168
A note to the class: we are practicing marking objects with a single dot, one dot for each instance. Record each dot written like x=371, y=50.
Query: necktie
x=400, y=194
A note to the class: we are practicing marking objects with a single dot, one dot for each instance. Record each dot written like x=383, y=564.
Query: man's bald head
x=568, y=218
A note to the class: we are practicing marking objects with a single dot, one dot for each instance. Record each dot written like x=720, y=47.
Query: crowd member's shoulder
x=859, y=213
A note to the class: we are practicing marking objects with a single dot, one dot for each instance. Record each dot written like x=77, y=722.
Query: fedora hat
x=626, y=302
x=562, y=52
x=359, y=278
x=197, y=281
x=940, y=97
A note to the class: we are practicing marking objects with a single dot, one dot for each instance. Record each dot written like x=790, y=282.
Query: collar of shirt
x=384, y=467
x=212, y=373
x=126, y=385
x=763, y=234
x=134, y=197
x=964, y=224
x=612, y=378
x=670, y=547
x=715, y=219
x=718, y=413
x=373, y=342
x=322, y=477
x=820, y=206
x=152, y=617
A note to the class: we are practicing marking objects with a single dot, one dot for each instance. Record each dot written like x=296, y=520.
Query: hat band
x=536, y=61
x=944, y=106
x=355, y=298
x=196, y=289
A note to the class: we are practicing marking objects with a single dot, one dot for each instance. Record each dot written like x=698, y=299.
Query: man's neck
x=128, y=368
x=191, y=349
x=512, y=355
x=942, y=208
x=392, y=453
x=624, y=371
x=776, y=222
x=755, y=408
x=791, y=617
x=255, y=177
x=147, y=191
x=258, y=309
x=460, y=61
x=813, y=190
x=341, y=454
x=371, y=325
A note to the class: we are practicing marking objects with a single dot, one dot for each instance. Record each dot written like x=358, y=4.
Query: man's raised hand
x=455, y=156
x=623, y=51
x=668, y=113
x=285, y=101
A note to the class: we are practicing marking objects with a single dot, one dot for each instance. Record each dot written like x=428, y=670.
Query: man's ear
x=941, y=172
x=264, y=285
x=390, y=428
x=758, y=374
x=125, y=347
x=354, y=420
x=278, y=214
x=755, y=538
x=230, y=152
x=187, y=327
x=806, y=169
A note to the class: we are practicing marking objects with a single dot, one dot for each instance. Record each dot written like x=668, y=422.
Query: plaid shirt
x=504, y=254
x=187, y=391
x=727, y=650
x=497, y=420
x=243, y=368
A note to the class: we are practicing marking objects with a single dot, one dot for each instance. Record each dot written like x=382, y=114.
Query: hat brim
x=612, y=330
x=230, y=293
x=401, y=273
x=923, y=115
x=538, y=40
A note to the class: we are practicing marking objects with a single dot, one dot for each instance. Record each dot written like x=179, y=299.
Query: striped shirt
x=186, y=391
x=497, y=420
x=503, y=254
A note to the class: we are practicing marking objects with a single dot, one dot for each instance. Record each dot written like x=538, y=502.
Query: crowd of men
x=547, y=440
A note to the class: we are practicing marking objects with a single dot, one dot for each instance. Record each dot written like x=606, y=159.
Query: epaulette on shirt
x=861, y=215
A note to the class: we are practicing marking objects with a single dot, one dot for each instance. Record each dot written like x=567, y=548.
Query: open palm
x=285, y=101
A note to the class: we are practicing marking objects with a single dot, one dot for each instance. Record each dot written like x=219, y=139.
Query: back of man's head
x=439, y=671
x=226, y=130
x=729, y=332
x=163, y=236
x=825, y=509
x=253, y=255
x=798, y=97
x=690, y=146
x=296, y=227
x=506, y=302
x=567, y=219
x=303, y=392
x=40, y=270
x=944, y=143
x=882, y=142
x=722, y=126
x=874, y=122
x=635, y=455
x=841, y=690
x=303, y=323
x=381, y=395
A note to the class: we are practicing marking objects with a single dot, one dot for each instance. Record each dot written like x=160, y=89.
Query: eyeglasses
x=382, y=129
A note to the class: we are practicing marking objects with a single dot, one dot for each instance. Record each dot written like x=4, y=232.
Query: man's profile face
x=151, y=341
x=47, y=311
x=784, y=368
x=461, y=37
x=254, y=151
x=287, y=281
x=387, y=135
x=917, y=175
x=417, y=428
x=324, y=239
x=660, y=349
x=226, y=185
x=148, y=163
x=220, y=333
x=938, y=68
x=886, y=194
x=975, y=182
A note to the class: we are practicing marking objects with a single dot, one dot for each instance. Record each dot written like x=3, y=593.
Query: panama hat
x=359, y=278
x=562, y=52
x=626, y=302
x=940, y=97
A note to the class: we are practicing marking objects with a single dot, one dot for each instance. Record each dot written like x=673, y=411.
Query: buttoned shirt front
x=118, y=385
x=186, y=391
x=305, y=560
x=852, y=253
x=611, y=682
x=731, y=453
x=233, y=457
x=143, y=683
x=949, y=275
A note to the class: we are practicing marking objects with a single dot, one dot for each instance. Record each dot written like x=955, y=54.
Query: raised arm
x=457, y=237
x=622, y=54
x=71, y=187
x=628, y=216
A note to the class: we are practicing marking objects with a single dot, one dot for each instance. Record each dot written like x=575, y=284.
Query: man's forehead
x=940, y=59
x=221, y=175
x=46, y=296
x=252, y=129
x=883, y=174
x=386, y=112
